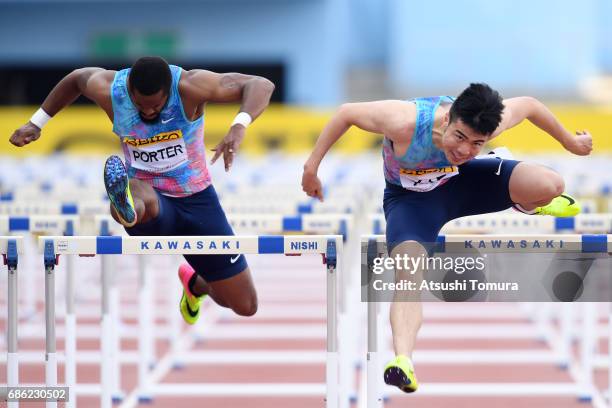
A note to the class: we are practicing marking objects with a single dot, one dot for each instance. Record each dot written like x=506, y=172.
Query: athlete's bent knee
x=554, y=186
x=246, y=307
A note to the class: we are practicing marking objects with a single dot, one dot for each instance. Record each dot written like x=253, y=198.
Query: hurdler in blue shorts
x=165, y=188
x=433, y=176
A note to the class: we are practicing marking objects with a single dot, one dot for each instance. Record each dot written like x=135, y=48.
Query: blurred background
x=319, y=53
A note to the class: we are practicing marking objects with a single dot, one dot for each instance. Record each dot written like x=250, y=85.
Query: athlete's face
x=149, y=106
x=461, y=143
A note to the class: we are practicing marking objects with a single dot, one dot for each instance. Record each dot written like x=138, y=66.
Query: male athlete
x=157, y=111
x=432, y=177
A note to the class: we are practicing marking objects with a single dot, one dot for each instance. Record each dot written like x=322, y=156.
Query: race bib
x=426, y=179
x=157, y=154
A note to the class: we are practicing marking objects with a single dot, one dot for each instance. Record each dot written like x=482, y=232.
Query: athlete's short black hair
x=479, y=107
x=149, y=75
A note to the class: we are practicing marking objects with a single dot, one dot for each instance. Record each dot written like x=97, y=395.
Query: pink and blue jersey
x=168, y=154
x=424, y=190
x=423, y=167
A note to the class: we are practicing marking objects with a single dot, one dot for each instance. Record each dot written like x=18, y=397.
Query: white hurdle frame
x=583, y=390
x=331, y=246
x=316, y=224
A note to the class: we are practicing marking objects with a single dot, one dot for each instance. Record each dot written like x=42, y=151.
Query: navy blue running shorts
x=197, y=214
x=419, y=216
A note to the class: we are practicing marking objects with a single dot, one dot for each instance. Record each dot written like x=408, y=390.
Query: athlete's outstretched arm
x=252, y=91
x=518, y=109
x=83, y=81
x=383, y=117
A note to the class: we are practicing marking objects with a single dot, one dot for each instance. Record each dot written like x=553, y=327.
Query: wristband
x=243, y=119
x=40, y=118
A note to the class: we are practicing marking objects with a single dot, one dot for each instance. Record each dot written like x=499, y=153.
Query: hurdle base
x=563, y=366
x=117, y=399
x=178, y=365
x=145, y=399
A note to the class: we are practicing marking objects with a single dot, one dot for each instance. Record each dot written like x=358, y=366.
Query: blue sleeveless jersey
x=423, y=167
x=168, y=154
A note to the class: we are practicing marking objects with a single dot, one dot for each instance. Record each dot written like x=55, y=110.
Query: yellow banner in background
x=86, y=129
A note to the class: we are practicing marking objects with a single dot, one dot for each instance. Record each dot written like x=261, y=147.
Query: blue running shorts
x=419, y=216
x=197, y=214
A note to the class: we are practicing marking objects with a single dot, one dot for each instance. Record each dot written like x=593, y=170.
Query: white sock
x=518, y=207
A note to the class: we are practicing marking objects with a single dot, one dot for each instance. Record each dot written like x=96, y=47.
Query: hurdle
x=68, y=225
x=328, y=245
x=11, y=247
x=375, y=246
x=340, y=224
x=512, y=222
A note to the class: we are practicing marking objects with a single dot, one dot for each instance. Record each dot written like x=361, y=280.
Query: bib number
x=426, y=179
x=157, y=154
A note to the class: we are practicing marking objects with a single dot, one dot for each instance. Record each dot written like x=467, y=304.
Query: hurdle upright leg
x=50, y=343
x=610, y=355
x=144, y=326
x=12, y=357
x=106, y=344
x=332, y=379
x=150, y=314
x=567, y=337
x=587, y=349
x=374, y=397
x=373, y=365
x=70, y=335
x=114, y=313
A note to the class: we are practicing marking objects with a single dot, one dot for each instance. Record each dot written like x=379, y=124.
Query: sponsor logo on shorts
x=233, y=259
